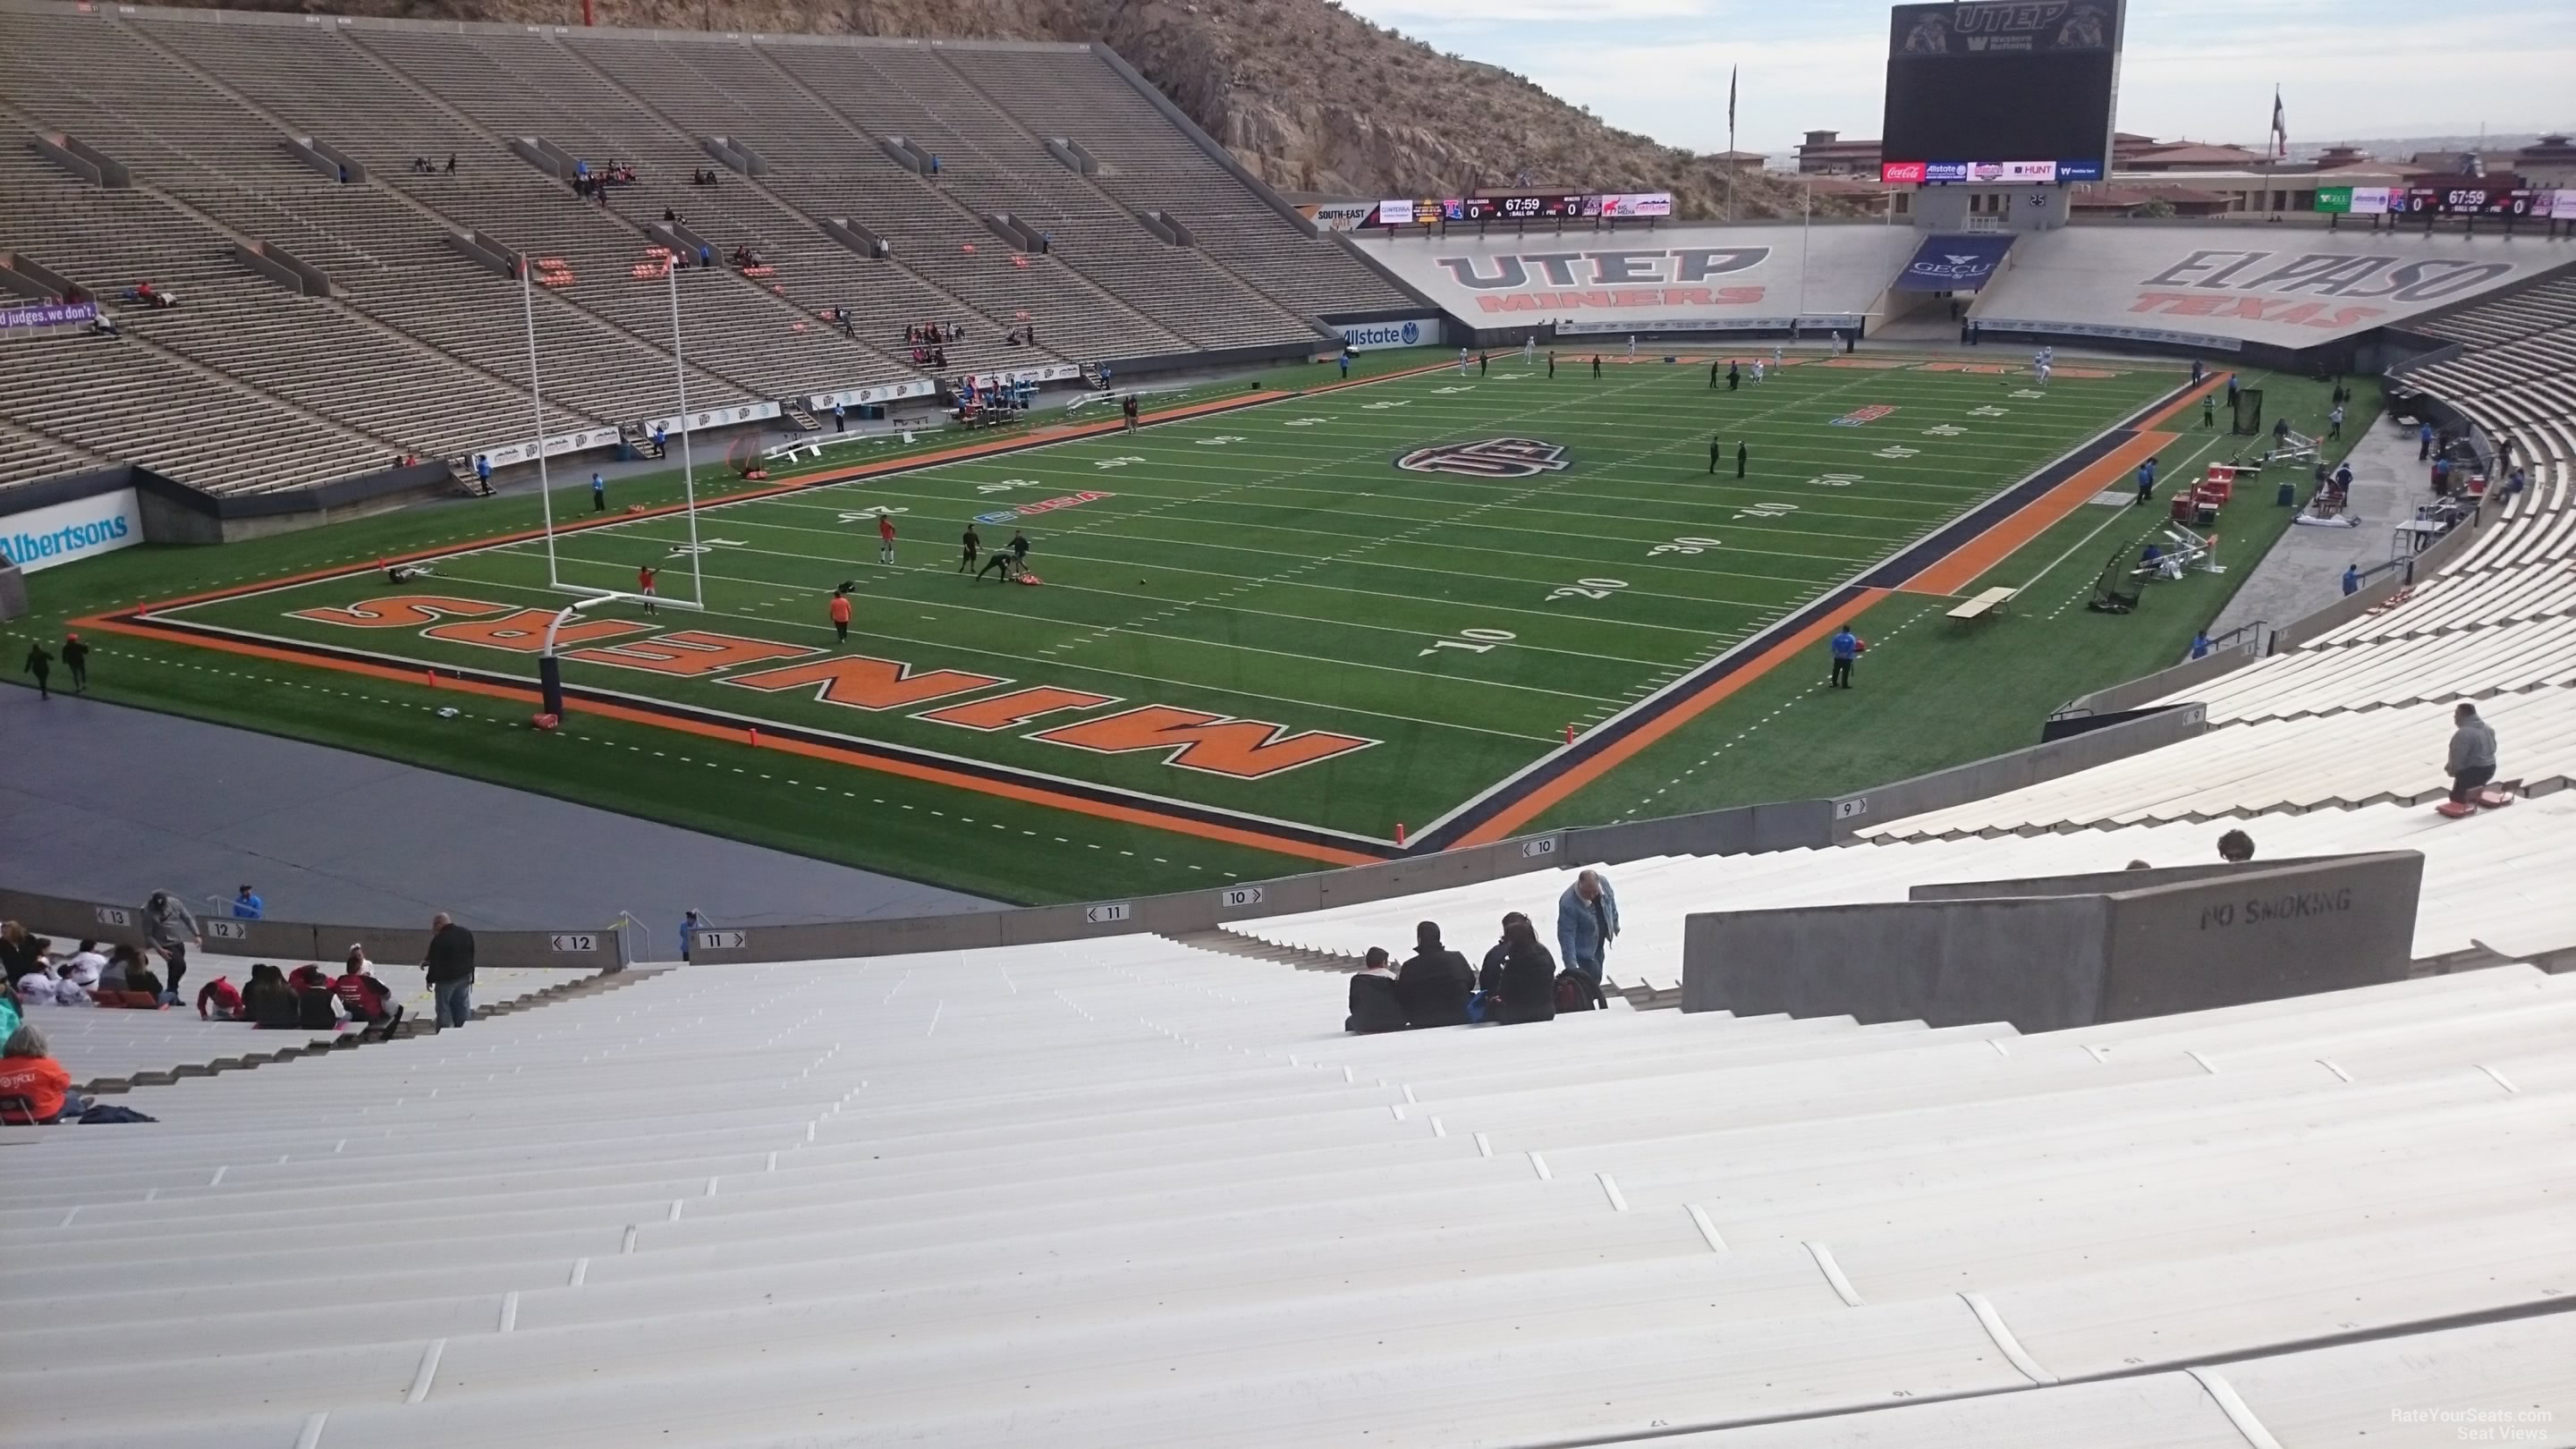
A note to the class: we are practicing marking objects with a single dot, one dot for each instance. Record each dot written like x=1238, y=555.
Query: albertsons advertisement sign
x=61, y=533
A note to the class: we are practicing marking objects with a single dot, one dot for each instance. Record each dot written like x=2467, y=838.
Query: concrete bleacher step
x=408, y=1028
x=1227, y=943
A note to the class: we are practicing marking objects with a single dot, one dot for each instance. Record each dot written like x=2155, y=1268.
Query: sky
x=2202, y=69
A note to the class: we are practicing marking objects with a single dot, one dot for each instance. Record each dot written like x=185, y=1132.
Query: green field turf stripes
x=1291, y=573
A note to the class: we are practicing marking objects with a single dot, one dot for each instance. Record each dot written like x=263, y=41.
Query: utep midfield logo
x=1492, y=458
x=1858, y=416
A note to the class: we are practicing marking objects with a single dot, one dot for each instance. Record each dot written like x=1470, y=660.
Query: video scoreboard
x=1523, y=206
x=2449, y=196
x=2009, y=91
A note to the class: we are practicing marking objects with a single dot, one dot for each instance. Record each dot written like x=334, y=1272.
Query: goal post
x=694, y=551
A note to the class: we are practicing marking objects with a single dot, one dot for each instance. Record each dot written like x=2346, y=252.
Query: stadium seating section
x=247, y=386
x=2516, y=373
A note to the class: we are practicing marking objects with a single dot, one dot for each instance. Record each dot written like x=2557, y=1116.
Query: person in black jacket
x=1436, y=982
x=450, y=969
x=1375, y=1006
x=1520, y=976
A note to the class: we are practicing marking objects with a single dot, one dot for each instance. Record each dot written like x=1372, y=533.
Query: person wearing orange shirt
x=29, y=1072
x=885, y=538
x=841, y=614
x=644, y=585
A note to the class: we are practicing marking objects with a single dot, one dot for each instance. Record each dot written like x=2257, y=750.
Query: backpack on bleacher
x=316, y=1011
x=1573, y=991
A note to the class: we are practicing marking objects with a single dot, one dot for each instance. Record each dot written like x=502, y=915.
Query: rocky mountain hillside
x=1308, y=95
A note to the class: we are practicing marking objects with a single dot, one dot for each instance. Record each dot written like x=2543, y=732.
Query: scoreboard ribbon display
x=1523, y=206
x=2454, y=196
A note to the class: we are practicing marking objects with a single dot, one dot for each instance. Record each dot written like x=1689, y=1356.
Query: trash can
x=2288, y=496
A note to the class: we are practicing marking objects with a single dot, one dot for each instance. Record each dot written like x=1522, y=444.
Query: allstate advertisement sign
x=61, y=533
x=1370, y=336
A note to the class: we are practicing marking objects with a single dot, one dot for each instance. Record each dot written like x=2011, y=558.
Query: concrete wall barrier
x=275, y=263
x=292, y=943
x=1980, y=779
x=2046, y=955
x=857, y=238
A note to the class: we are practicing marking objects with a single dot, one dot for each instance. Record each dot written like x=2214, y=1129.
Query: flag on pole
x=2280, y=126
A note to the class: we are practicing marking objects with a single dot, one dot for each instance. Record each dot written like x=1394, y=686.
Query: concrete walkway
x=2304, y=571
x=110, y=803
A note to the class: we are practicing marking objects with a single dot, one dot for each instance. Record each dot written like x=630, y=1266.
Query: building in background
x=1824, y=154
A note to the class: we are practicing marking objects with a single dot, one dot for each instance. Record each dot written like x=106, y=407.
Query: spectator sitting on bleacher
x=1375, y=1004
x=19, y=953
x=1436, y=982
x=269, y=1001
x=80, y=971
x=120, y=961
x=29, y=1073
x=363, y=996
x=37, y=987
x=2236, y=847
x=1520, y=976
x=139, y=980
x=220, y=1000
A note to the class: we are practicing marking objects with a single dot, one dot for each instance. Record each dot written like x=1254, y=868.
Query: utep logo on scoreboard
x=1492, y=458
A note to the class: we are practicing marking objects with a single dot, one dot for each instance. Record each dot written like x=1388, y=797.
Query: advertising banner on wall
x=724, y=417
x=47, y=314
x=1339, y=215
x=1636, y=203
x=1377, y=336
x=61, y=533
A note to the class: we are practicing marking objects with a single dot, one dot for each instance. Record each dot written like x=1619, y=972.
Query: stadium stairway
x=1130, y=1193
x=117, y=1051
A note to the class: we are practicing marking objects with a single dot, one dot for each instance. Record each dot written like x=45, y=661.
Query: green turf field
x=1294, y=578
x=1315, y=611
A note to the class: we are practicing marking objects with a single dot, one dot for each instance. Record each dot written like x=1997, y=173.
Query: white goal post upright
x=536, y=394
x=545, y=491
x=688, y=471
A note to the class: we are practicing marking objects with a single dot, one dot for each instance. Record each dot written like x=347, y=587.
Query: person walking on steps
x=1587, y=921
x=2472, y=761
x=170, y=930
x=449, y=967
x=1846, y=648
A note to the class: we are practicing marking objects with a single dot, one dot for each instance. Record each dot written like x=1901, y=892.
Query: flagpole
x=1731, y=74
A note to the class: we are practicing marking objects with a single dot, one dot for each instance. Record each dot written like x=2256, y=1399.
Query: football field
x=1301, y=620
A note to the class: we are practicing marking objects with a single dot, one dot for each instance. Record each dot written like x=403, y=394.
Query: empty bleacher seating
x=420, y=350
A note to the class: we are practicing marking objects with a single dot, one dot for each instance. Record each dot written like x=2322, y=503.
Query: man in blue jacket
x=1846, y=647
x=1587, y=920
